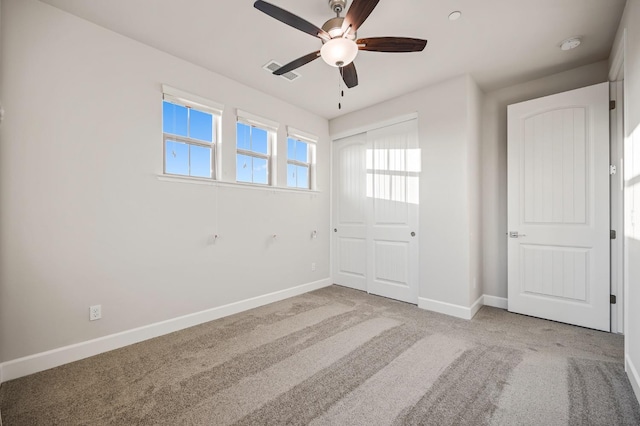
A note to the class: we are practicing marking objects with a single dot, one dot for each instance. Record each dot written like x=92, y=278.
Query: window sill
x=210, y=182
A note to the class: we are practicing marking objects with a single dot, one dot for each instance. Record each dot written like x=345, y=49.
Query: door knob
x=335, y=229
x=413, y=234
x=516, y=235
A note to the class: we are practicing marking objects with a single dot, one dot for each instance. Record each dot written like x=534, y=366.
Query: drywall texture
x=85, y=219
x=494, y=162
x=629, y=34
x=474, y=176
x=446, y=213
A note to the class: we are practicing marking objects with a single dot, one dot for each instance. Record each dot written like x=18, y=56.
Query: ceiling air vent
x=271, y=66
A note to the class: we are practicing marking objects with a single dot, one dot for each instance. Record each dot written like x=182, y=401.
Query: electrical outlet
x=313, y=266
x=95, y=312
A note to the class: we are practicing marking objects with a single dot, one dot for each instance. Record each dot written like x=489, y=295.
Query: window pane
x=259, y=170
x=303, y=176
x=302, y=149
x=244, y=168
x=291, y=175
x=176, y=158
x=201, y=125
x=174, y=119
x=200, y=161
x=243, y=136
x=259, y=140
x=291, y=149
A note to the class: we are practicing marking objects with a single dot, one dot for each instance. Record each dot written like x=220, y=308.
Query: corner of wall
x=495, y=302
x=616, y=57
x=474, y=187
x=626, y=58
x=453, y=310
x=634, y=378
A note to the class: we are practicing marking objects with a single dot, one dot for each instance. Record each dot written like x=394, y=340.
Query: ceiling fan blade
x=291, y=19
x=349, y=75
x=297, y=63
x=357, y=13
x=391, y=44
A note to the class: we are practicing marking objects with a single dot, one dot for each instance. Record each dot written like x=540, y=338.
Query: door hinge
x=612, y=299
x=612, y=234
x=612, y=105
x=612, y=169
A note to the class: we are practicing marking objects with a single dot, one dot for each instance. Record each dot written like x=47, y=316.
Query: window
x=189, y=136
x=253, y=157
x=301, y=154
x=297, y=163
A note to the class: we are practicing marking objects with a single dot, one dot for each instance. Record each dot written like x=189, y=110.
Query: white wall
x=474, y=176
x=1, y=112
x=85, y=219
x=494, y=162
x=446, y=214
x=630, y=25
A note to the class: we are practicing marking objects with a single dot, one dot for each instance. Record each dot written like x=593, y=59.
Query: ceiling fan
x=338, y=35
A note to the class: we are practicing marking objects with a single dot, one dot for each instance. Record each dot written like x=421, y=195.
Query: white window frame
x=271, y=127
x=191, y=101
x=311, y=141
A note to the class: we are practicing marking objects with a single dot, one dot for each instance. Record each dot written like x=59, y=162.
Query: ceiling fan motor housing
x=334, y=27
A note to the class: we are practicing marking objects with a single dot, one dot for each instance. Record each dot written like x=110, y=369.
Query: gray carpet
x=341, y=357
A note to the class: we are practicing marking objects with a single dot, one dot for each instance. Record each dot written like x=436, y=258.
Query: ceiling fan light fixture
x=339, y=51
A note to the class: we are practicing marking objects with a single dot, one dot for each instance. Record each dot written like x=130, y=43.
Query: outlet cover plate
x=95, y=312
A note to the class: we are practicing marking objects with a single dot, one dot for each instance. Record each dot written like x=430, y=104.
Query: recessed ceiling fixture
x=570, y=43
x=454, y=16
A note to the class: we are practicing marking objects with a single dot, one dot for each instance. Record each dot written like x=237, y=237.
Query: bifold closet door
x=375, y=211
x=349, y=242
x=393, y=167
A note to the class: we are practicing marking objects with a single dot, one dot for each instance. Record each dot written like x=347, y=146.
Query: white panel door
x=375, y=211
x=393, y=167
x=350, y=213
x=558, y=207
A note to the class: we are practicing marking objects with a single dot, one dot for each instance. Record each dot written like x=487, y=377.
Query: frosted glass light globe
x=339, y=51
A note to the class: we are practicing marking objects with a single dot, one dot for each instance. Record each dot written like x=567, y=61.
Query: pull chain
x=340, y=89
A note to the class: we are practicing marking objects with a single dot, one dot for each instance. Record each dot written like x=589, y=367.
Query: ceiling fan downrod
x=338, y=6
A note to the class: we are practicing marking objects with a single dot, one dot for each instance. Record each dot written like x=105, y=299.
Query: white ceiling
x=498, y=42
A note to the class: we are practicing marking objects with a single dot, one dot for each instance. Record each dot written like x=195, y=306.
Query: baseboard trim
x=634, y=378
x=451, y=309
x=459, y=311
x=476, y=307
x=24, y=366
x=496, y=302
